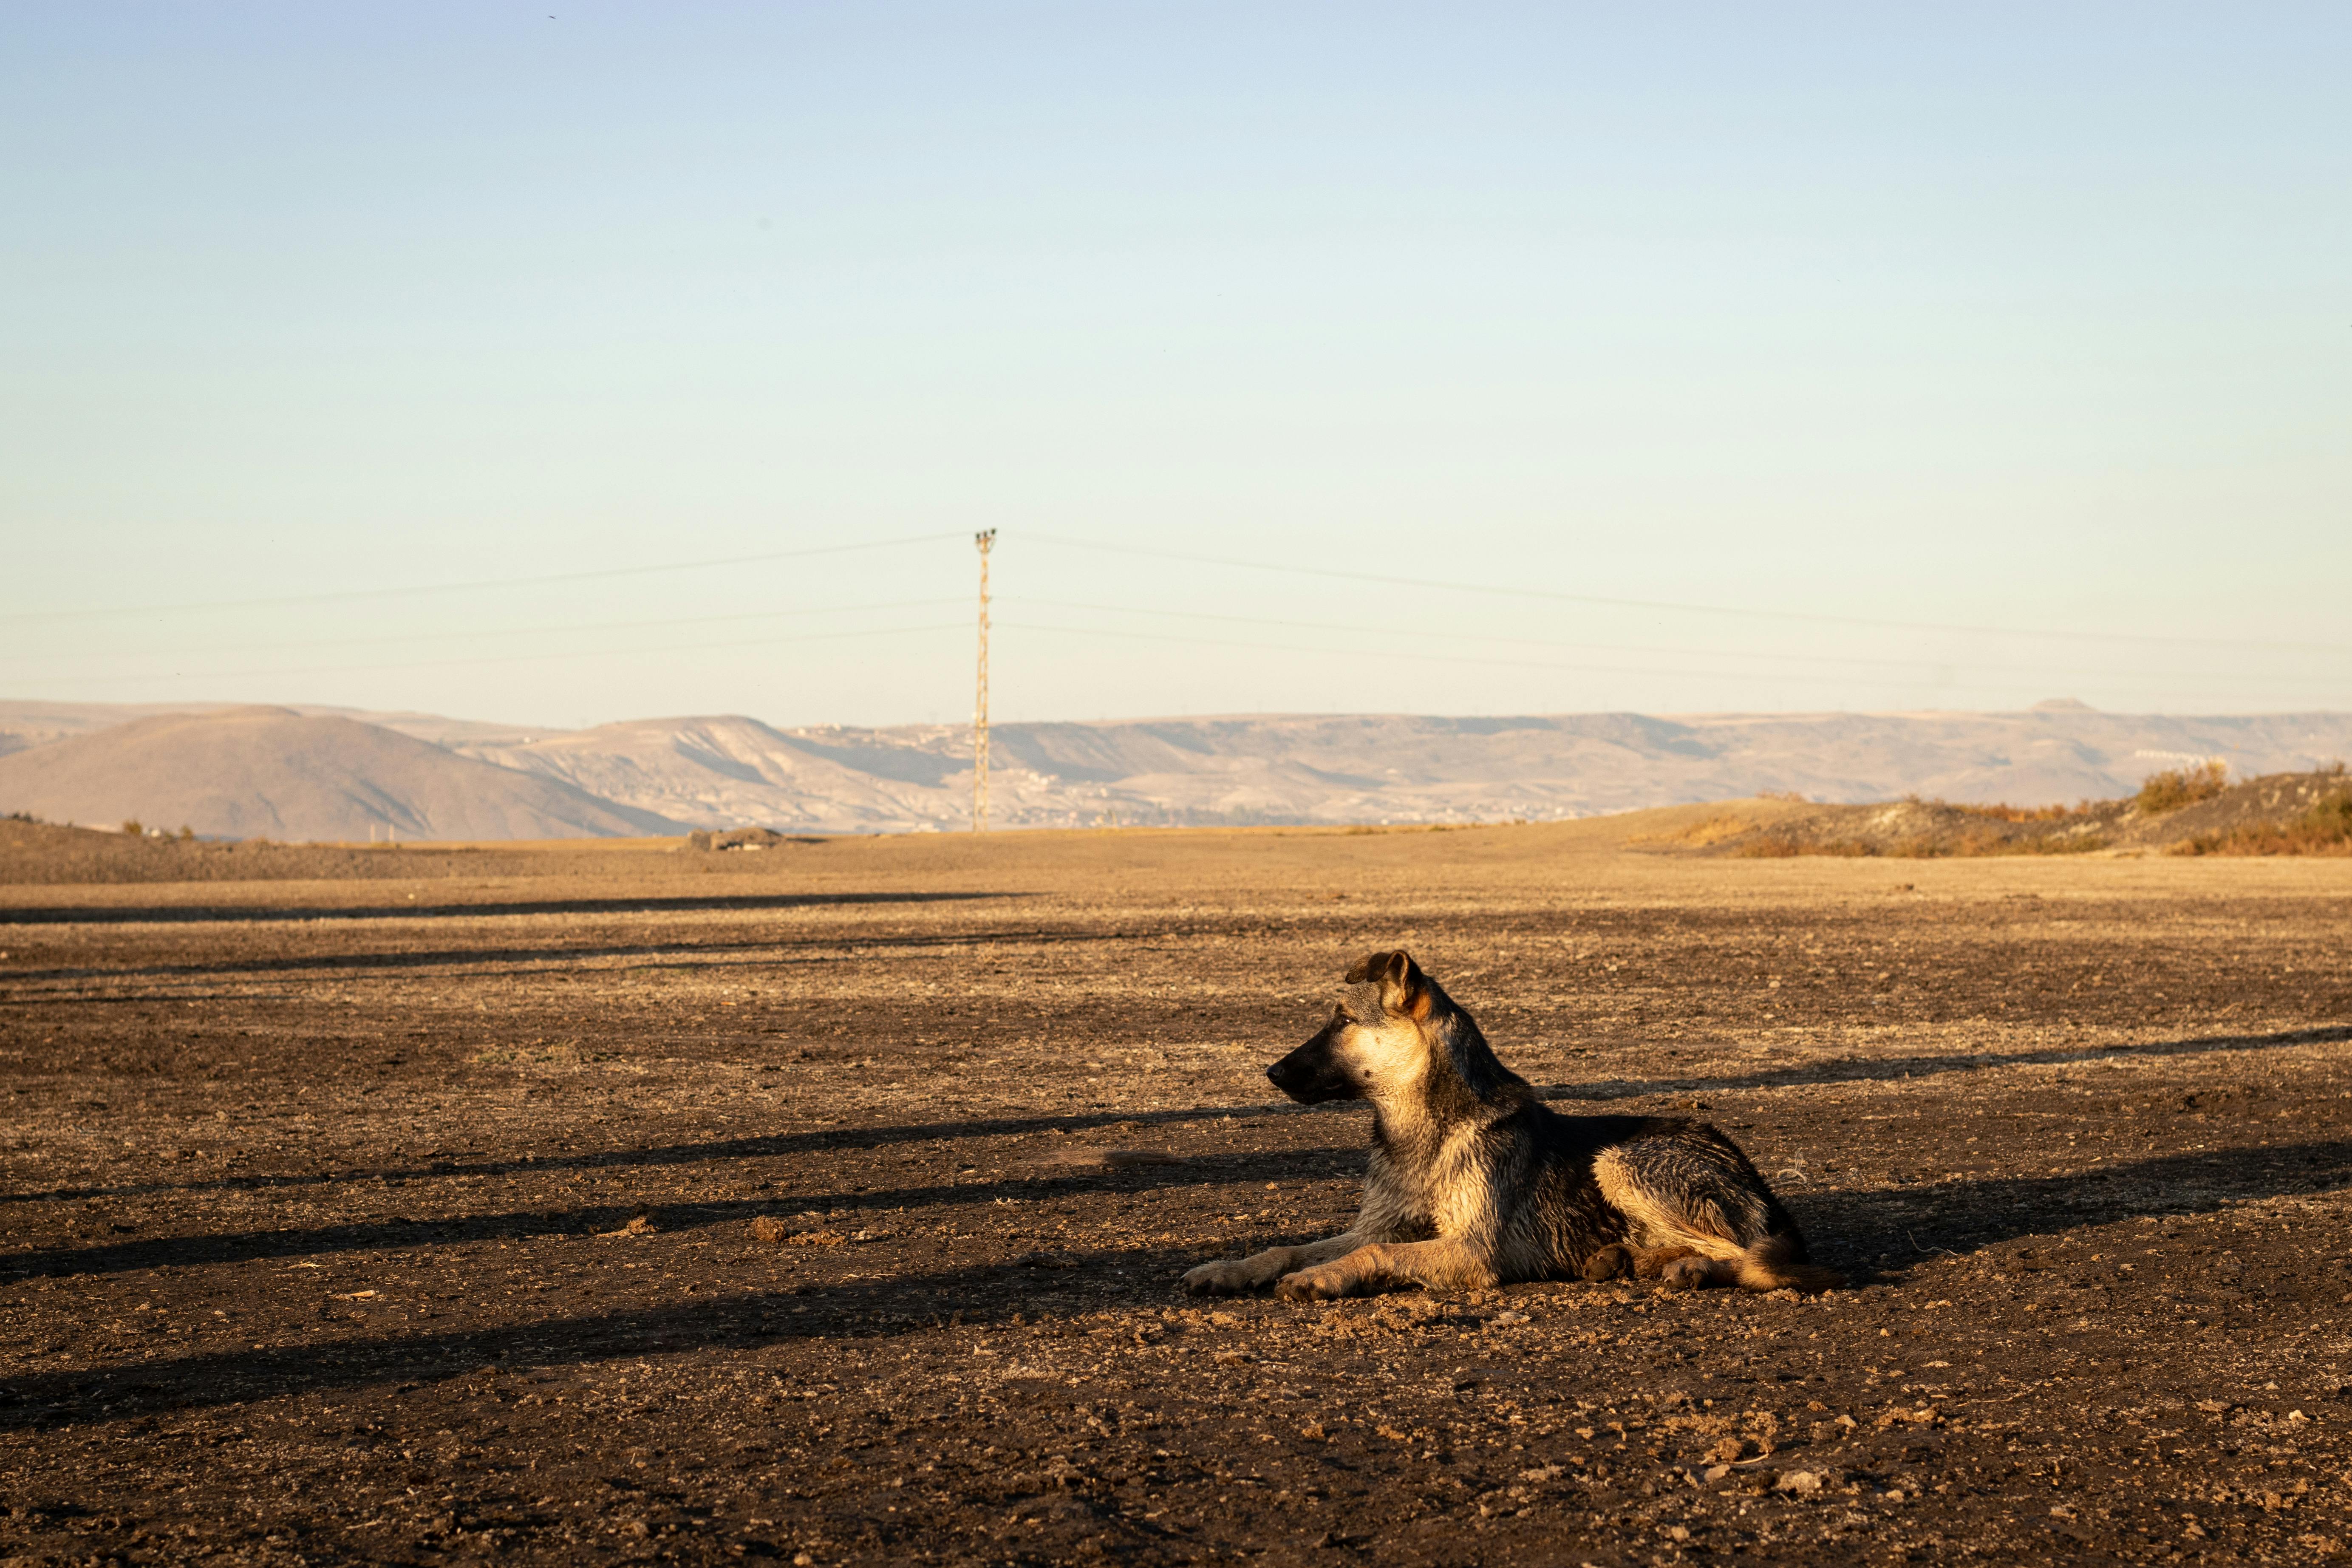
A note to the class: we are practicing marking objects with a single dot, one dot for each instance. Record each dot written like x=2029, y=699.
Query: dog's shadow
x=1861, y=1231
x=1873, y=1234
x=1869, y=1232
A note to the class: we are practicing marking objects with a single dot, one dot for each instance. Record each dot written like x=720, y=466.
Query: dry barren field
x=635, y=1204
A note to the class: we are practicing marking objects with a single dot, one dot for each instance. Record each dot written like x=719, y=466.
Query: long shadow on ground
x=1886, y=1219
x=199, y=914
x=724, y=1150
x=537, y=955
x=1881, y=1069
x=368, y=1236
x=1952, y=1215
x=1843, y=1070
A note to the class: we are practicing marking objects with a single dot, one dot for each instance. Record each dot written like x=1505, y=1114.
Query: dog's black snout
x=1312, y=1074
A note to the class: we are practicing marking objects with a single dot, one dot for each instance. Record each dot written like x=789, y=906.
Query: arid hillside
x=730, y=771
x=269, y=773
x=1374, y=768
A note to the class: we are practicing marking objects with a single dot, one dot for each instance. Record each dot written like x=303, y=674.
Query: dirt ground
x=410, y=1212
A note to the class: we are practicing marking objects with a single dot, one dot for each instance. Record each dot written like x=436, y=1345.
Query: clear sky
x=1881, y=325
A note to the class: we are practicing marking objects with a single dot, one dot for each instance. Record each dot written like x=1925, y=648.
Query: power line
x=1413, y=657
x=1410, y=654
x=530, y=658
x=1419, y=633
x=350, y=594
x=1680, y=607
x=442, y=636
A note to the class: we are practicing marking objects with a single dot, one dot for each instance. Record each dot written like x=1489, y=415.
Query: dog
x=1473, y=1182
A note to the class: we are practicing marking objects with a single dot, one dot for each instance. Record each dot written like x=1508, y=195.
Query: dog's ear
x=1404, y=990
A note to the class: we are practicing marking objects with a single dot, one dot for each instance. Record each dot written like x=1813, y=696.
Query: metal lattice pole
x=980, y=700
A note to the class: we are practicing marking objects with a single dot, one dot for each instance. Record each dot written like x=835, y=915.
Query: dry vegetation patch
x=2191, y=811
x=2323, y=828
x=2173, y=788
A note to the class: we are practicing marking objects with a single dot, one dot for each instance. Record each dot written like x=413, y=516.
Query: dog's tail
x=1777, y=1263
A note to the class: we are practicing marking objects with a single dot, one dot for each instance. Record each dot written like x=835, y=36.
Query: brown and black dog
x=1474, y=1182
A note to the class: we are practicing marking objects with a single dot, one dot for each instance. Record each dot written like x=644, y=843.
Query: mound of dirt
x=2281, y=814
x=742, y=839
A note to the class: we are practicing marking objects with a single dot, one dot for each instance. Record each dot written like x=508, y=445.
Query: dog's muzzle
x=1311, y=1074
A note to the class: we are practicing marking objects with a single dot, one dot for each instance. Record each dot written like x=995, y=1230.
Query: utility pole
x=980, y=701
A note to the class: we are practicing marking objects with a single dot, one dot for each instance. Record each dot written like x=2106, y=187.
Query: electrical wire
x=1419, y=632
x=1391, y=651
x=1802, y=615
x=575, y=627
x=530, y=658
x=1409, y=655
x=350, y=594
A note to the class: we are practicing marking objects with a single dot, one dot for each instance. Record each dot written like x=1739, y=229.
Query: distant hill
x=665, y=774
x=271, y=772
x=722, y=772
x=25, y=724
x=731, y=771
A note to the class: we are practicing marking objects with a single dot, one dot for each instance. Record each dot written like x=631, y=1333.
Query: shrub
x=2324, y=829
x=1780, y=847
x=2071, y=844
x=2176, y=787
x=1920, y=846
x=131, y=829
x=2001, y=812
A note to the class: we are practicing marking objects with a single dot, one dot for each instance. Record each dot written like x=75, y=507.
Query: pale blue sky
x=2021, y=317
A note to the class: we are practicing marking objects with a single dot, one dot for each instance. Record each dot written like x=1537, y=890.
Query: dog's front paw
x=1325, y=1284
x=1226, y=1277
x=1610, y=1263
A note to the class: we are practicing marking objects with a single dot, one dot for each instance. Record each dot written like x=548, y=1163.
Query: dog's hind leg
x=1671, y=1212
x=1679, y=1268
x=1234, y=1276
x=1652, y=1264
x=1448, y=1263
x=1700, y=1218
